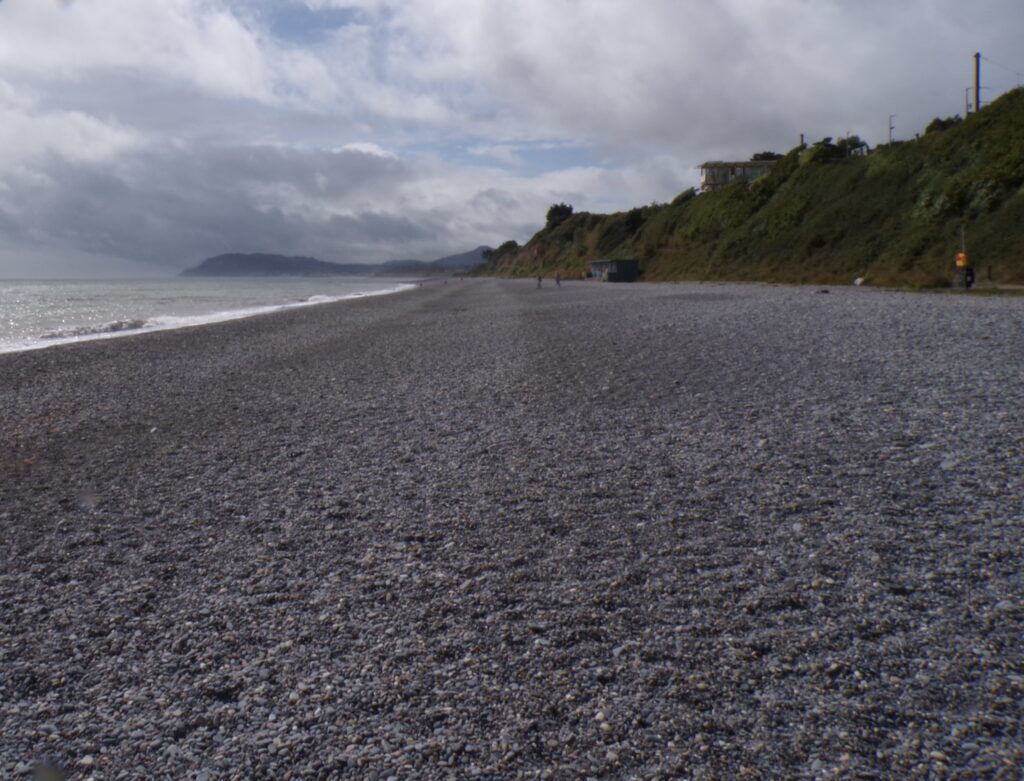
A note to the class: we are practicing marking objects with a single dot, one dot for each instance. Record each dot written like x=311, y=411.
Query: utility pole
x=892, y=127
x=977, y=82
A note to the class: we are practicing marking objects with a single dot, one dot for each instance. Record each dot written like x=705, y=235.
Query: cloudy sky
x=141, y=137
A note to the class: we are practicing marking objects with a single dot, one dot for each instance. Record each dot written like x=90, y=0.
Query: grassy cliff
x=892, y=217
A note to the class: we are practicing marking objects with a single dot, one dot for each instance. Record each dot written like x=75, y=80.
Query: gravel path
x=480, y=530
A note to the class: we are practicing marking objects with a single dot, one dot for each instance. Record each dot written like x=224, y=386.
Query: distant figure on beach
x=558, y=279
x=539, y=278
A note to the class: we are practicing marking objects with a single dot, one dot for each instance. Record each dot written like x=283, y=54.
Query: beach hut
x=615, y=270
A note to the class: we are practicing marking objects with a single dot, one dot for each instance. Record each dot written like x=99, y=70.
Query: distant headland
x=258, y=264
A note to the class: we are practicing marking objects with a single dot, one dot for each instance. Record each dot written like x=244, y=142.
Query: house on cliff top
x=718, y=174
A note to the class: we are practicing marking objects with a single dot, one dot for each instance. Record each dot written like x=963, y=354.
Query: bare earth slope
x=485, y=530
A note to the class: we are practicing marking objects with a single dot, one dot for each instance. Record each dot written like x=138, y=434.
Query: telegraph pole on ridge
x=977, y=82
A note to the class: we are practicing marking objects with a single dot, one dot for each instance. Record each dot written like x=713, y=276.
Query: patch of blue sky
x=298, y=23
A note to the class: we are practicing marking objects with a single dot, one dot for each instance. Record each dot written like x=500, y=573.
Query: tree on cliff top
x=557, y=214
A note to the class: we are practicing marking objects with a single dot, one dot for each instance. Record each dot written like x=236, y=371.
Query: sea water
x=40, y=313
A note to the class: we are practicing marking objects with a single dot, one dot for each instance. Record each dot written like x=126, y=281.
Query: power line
x=1000, y=64
x=1014, y=71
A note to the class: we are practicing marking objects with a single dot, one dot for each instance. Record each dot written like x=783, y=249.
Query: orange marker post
x=964, y=272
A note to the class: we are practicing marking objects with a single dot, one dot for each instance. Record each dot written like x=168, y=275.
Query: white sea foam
x=35, y=315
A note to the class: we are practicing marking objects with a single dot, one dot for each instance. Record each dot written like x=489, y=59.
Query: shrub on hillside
x=634, y=220
x=504, y=249
x=557, y=214
x=938, y=125
x=826, y=151
x=685, y=196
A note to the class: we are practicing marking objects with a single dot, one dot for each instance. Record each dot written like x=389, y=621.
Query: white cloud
x=181, y=39
x=28, y=133
x=366, y=148
x=676, y=75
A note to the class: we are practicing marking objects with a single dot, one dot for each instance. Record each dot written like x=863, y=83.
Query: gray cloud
x=174, y=206
x=693, y=78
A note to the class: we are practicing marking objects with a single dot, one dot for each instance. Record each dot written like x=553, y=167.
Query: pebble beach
x=484, y=530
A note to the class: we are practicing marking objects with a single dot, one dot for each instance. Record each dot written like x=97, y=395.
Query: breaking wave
x=96, y=330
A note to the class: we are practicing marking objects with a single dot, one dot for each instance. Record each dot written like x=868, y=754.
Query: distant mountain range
x=264, y=265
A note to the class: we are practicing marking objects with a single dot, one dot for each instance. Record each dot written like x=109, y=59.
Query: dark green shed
x=615, y=270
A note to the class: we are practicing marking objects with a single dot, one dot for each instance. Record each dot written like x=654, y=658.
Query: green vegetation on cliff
x=893, y=216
